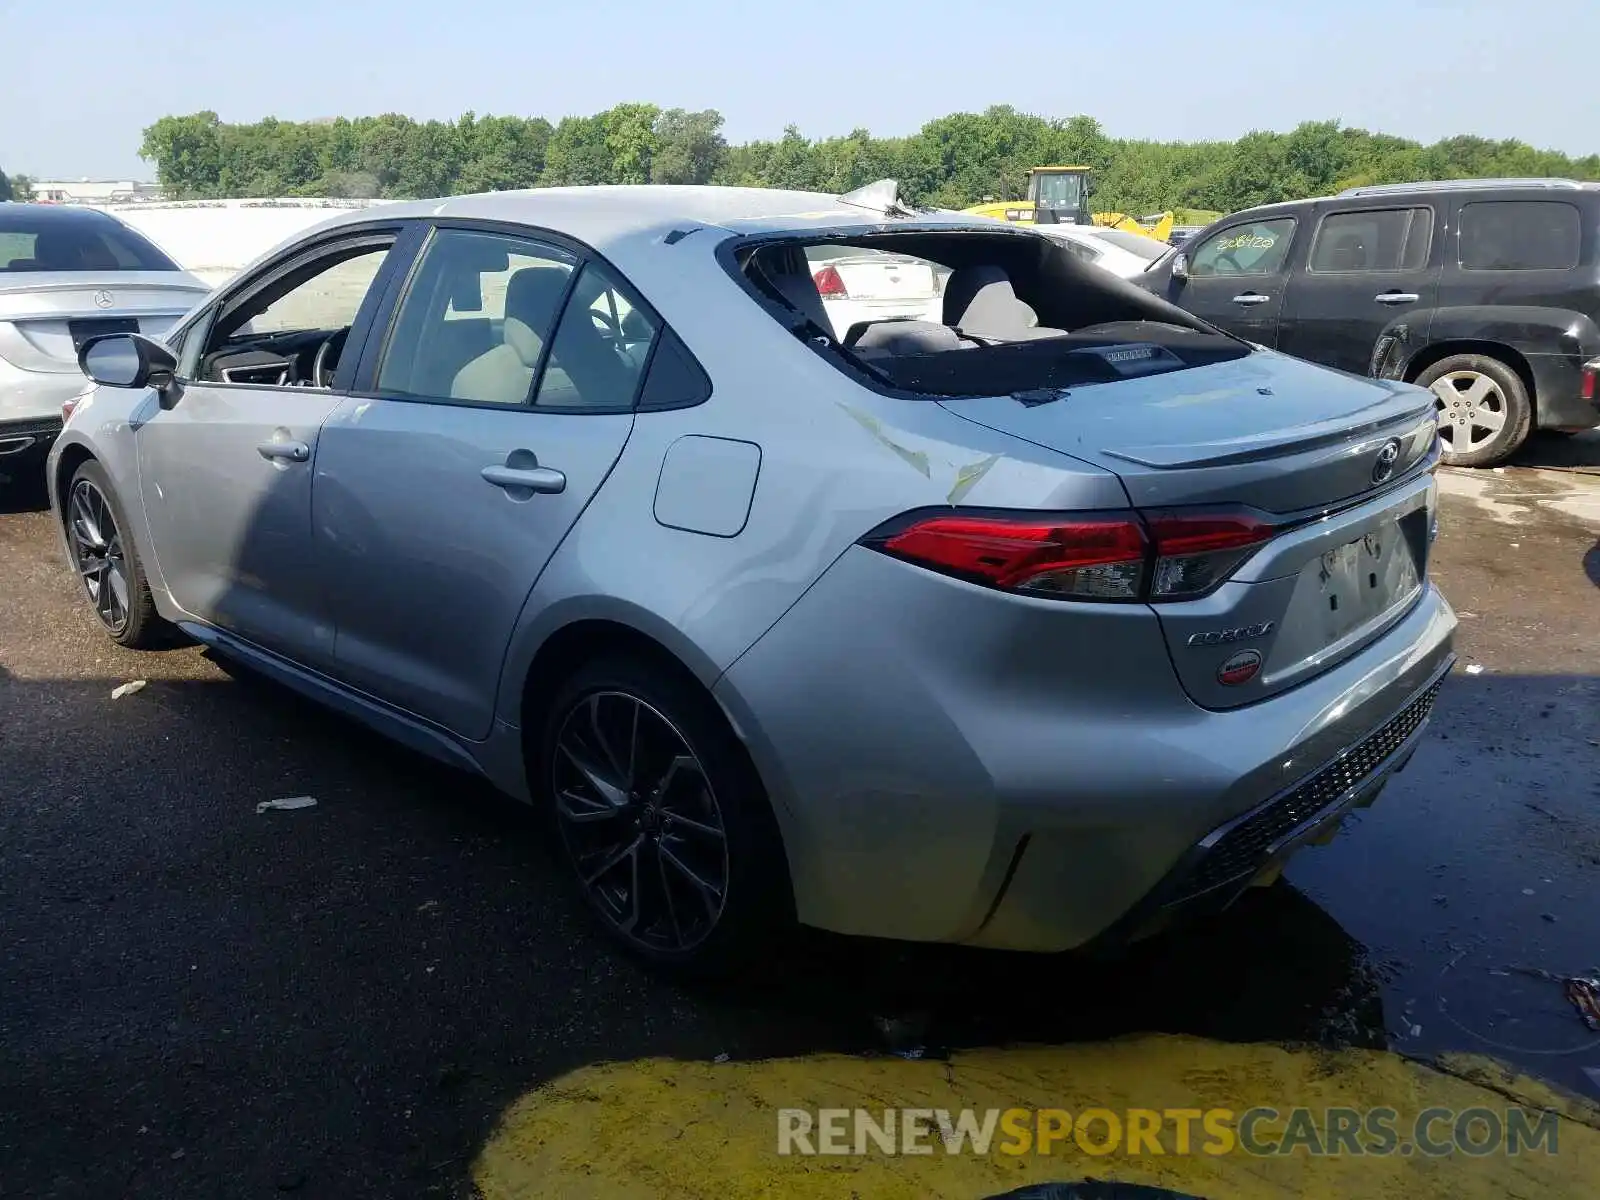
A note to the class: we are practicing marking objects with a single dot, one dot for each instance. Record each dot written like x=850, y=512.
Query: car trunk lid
x=46, y=316
x=1331, y=461
x=1267, y=431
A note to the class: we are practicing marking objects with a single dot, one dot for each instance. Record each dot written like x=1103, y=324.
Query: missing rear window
x=969, y=313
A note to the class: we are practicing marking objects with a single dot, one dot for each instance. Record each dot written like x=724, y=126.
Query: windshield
x=1059, y=191
x=52, y=239
x=1146, y=248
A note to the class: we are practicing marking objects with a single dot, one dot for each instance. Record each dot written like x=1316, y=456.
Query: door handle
x=525, y=479
x=293, y=451
x=1251, y=298
x=1397, y=298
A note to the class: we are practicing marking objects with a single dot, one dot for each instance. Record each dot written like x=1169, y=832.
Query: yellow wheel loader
x=1060, y=196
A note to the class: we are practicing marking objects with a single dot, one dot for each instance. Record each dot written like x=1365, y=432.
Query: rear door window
x=599, y=350
x=1391, y=239
x=1519, y=235
x=1258, y=248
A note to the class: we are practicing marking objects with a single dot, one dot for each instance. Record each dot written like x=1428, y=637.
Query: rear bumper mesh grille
x=42, y=426
x=1238, y=850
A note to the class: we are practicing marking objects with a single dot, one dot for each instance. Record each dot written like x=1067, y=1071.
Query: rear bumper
x=1576, y=414
x=1227, y=861
x=1041, y=781
x=36, y=395
x=30, y=410
x=1558, y=392
x=27, y=437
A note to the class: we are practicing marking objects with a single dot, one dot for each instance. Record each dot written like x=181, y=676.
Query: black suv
x=1486, y=291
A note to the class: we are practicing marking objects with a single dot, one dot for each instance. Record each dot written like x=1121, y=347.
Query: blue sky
x=93, y=73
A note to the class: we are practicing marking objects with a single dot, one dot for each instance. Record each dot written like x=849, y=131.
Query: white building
x=94, y=191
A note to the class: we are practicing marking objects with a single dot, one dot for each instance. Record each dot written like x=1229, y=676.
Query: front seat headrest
x=532, y=296
x=981, y=300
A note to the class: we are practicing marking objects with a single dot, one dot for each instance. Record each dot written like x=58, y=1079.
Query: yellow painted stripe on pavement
x=659, y=1129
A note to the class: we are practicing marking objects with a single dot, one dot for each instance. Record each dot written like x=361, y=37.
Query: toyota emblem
x=1383, y=467
x=104, y=299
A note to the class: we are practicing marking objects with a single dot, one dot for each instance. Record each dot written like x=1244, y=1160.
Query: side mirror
x=1180, y=266
x=127, y=360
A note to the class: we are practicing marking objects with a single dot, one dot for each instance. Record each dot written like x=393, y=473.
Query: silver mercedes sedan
x=66, y=275
x=1033, y=626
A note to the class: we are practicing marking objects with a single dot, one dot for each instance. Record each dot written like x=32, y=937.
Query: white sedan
x=857, y=284
x=1115, y=250
x=67, y=275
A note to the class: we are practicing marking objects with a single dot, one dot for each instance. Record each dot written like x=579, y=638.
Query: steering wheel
x=607, y=323
x=1227, y=257
x=327, y=359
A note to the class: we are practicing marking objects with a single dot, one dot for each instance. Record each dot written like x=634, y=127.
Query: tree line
x=951, y=162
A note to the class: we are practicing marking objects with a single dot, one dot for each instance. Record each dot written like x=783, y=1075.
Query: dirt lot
x=200, y=1000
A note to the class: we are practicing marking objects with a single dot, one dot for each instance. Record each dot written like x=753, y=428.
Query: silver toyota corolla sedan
x=66, y=275
x=1030, y=627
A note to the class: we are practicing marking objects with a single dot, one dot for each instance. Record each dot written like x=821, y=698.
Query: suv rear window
x=56, y=240
x=1519, y=235
x=1016, y=313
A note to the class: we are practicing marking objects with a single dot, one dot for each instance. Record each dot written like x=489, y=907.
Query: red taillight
x=829, y=283
x=67, y=406
x=1090, y=556
x=1590, y=370
x=1196, y=551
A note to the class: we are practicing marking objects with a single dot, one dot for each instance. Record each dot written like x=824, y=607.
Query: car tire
x=107, y=562
x=661, y=818
x=1484, y=410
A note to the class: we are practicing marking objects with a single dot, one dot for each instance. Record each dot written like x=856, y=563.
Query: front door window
x=1257, y=248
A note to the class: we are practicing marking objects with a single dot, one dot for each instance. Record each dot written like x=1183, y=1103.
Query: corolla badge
x=1240, y=668
x=1221, y=637
x=1383, y=466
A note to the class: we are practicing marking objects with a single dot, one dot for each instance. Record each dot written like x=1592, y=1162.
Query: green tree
x=502, y=152
x=1318, y=154
x=187, y=153
x=792, y=162
x=630, y=138
x=952, y=161
x=1256, y=170
x=577, y=153
x=382, y=145
x=358, y=185
x=689, y=146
